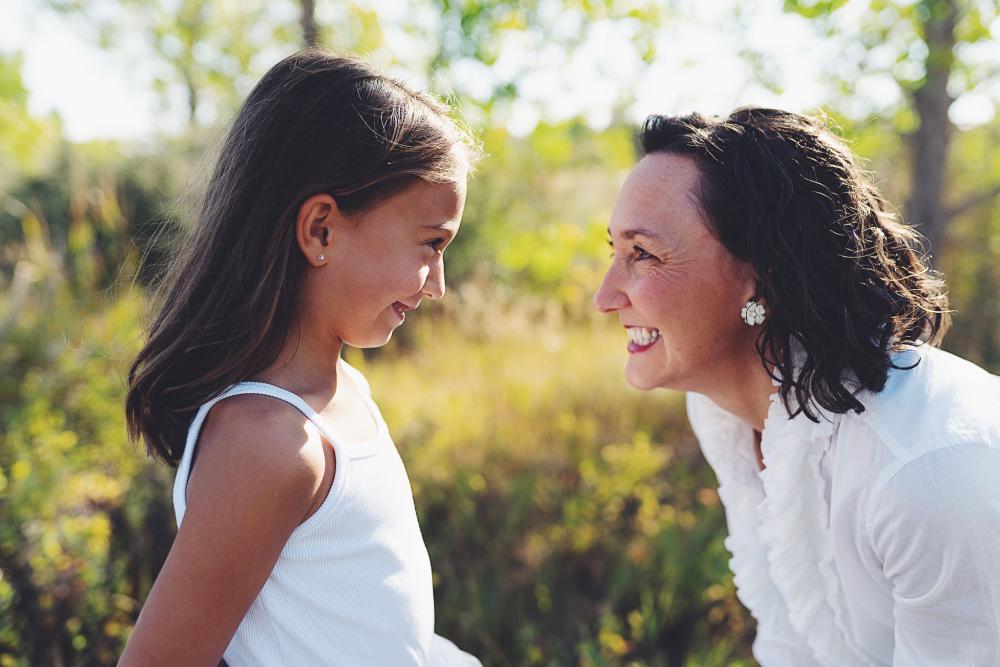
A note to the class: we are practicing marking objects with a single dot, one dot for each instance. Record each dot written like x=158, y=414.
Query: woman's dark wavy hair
x=843, y=280
x=315, y=123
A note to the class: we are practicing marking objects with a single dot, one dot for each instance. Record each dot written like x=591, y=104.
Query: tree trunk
x=931, y=100
x=192, y=95
x=310, y=31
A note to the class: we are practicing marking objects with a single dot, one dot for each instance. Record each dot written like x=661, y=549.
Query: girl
x=324, y=223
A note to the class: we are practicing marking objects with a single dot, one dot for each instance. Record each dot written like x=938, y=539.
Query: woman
x=756, y=268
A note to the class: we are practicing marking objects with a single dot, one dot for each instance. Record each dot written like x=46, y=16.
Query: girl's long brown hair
x=314, y=123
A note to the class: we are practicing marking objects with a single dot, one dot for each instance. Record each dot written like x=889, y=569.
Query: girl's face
x=383, y=262
x=676, y=289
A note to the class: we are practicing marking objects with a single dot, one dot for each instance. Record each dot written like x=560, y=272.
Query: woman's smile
x=641, y=338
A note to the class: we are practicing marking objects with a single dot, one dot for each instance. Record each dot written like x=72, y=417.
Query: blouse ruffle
x=778, y=519
x=794, y=527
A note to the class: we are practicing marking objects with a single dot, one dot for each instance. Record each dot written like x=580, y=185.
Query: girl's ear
x=314, y=227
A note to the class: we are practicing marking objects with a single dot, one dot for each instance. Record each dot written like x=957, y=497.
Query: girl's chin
x=379, y=334
x=375, y=341
x=370, y=339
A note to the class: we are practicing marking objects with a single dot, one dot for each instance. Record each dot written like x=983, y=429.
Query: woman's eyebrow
x=632, y=232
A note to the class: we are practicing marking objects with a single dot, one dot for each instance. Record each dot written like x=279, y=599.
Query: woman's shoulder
x=930, y=371
x=933, y=400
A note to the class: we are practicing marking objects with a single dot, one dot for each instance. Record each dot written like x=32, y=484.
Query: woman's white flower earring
x=753, y=313
x=321, y=257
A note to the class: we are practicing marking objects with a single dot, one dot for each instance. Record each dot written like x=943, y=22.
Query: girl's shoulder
x=357, y=377
x=259, y=439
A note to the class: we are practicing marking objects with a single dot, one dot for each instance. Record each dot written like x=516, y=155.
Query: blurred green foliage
x=570, y=519
x=26, y=143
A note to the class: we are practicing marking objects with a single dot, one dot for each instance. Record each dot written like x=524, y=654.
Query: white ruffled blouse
x=872, y=538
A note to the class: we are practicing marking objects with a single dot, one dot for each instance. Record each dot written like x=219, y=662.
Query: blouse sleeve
x=935, y=527
x=444, y=653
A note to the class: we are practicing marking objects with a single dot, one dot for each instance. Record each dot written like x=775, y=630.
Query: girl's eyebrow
x=441, y=227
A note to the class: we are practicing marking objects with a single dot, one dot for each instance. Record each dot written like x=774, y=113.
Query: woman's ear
x=748, y=283
x=314, y=227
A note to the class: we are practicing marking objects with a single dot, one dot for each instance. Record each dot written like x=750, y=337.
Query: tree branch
x=972, y=201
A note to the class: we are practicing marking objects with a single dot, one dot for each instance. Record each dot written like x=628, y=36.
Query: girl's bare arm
x=260, y=466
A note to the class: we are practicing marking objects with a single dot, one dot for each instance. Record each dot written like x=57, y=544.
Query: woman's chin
x=643, y=379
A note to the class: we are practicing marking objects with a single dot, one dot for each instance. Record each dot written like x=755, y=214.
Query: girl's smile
x=401, y=308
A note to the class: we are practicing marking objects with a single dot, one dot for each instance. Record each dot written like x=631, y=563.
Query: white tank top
x=352, y=585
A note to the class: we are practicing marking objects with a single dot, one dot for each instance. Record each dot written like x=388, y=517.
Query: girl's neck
x=306, y=365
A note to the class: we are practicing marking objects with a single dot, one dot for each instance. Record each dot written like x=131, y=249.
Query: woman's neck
x=746, y=393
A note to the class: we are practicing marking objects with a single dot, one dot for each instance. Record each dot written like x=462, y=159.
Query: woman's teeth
x=642, y=336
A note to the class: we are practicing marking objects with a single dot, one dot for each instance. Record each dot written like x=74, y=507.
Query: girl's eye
x=435, y=244
x=612, y=246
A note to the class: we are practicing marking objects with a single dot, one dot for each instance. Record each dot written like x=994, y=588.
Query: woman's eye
x=435, y=244
x=641, y=254
x=638, y=252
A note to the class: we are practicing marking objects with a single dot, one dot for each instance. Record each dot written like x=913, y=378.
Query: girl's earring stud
x=753, y=313
x=321, y=257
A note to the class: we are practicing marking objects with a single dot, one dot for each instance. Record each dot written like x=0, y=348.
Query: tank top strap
x=260, y=388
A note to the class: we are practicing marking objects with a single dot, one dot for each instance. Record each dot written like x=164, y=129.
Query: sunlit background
x=570, y=519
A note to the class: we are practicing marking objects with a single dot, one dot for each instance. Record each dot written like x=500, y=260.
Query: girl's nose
x=608, y=298
x=434, y=285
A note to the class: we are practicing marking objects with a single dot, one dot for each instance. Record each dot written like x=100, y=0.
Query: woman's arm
x=935, y=526
x=260, y=465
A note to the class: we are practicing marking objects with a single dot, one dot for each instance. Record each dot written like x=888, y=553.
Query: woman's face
x=676, y=289
x=385, y=261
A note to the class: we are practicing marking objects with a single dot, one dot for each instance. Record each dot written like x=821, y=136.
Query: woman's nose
x=609, y=297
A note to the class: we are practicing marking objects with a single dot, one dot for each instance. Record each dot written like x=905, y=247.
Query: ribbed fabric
x=352, y=585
